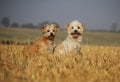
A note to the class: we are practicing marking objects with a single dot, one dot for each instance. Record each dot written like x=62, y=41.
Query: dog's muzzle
x=51, y=37
x=75, y=34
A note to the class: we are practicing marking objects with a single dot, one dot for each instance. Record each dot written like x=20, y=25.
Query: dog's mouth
x=51, y=37
x=75, y=35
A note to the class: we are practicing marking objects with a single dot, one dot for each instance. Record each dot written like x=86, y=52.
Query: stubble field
x=99, y=61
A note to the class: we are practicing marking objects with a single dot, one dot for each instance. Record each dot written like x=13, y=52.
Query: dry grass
x=95, y=64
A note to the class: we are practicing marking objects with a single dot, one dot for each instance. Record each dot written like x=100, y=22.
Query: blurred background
x=97, y=15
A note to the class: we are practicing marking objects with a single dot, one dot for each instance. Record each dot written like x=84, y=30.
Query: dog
x=73, y=41
x=46, y=42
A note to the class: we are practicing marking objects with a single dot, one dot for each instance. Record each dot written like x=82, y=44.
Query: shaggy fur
x=74, y=39
x=46, y=42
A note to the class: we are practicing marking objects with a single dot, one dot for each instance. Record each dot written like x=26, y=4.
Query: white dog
x=74, y=39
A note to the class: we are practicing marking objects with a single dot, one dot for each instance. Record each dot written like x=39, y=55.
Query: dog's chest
x=44, y=45
x=70, y=45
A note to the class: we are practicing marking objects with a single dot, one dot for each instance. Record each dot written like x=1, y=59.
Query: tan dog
x=74, y=39
x=46, y=41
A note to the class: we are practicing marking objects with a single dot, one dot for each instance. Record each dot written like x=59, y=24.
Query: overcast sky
x=95, y=14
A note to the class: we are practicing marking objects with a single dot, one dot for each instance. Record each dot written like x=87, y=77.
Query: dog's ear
x=42, y=28
x=56, y=26
x=83, y=25
x=67, y=26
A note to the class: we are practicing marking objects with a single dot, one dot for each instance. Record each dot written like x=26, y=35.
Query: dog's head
x=75, y=29
x=49, y=31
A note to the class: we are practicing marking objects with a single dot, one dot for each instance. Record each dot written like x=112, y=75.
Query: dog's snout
x=75, y=31
x=51, y=34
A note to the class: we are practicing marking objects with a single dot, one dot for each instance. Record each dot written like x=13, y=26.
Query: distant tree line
x=114, y=27
x=5, y=21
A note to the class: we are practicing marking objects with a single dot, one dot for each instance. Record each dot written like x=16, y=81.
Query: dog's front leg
x=53, y=48
x=78, y=50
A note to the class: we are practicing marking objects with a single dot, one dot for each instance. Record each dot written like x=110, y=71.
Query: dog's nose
x=51, y=34
x=75, y=31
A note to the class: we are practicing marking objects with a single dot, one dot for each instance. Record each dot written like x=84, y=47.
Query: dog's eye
x=48, y=31
x=72, y=27
x=53, y=30
x=78, y=27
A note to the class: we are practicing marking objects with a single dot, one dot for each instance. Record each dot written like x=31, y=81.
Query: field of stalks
x=99, y=60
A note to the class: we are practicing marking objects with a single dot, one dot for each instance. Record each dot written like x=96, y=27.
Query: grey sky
x=96, y=14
